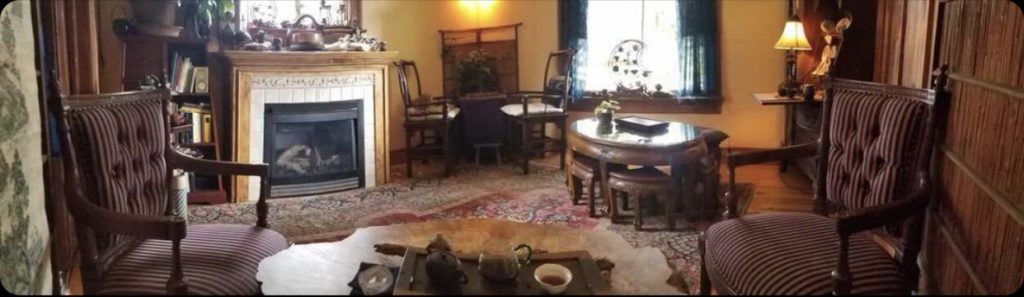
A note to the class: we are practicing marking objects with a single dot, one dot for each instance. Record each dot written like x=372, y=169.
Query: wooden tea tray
x=586, y=278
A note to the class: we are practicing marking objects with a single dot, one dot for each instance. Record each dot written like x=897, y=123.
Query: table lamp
x=792, y=40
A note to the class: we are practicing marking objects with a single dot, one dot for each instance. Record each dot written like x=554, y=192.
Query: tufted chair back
x=117, y=145
x=874, y=142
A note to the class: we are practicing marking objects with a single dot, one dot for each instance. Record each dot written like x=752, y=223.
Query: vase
x=604, y=122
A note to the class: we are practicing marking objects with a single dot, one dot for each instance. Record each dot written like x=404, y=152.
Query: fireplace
x=314, y=148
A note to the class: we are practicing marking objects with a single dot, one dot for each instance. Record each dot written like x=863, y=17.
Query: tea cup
x=553, y=278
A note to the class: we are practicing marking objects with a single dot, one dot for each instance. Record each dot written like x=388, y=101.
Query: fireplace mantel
x=257, y=78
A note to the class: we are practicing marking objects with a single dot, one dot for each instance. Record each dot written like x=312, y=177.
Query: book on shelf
x=200, y=80
x=200, y=116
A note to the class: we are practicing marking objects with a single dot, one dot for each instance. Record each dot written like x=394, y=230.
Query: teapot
x=500, y=261
x=442, y=267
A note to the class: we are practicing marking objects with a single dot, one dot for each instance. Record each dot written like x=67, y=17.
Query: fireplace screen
x=313, y=147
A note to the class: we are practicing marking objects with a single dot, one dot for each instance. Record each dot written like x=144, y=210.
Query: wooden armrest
x=885, y=214
x=181, y=161
x=871, y=218
x=790, y=152
x=447, y=99
x=108, y=221
x=188, y=163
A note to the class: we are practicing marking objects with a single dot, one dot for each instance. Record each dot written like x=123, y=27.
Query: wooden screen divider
x=975, y=233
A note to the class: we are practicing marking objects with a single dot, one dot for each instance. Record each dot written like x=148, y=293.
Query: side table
x=802, y=124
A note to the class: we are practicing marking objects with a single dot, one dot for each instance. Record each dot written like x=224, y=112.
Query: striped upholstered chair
x=118, y=164
x=872, y=189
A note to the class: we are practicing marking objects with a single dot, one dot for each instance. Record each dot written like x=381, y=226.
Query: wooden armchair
x=535, y=109
x=118, y=164
x=437, y=114
x=874, y=160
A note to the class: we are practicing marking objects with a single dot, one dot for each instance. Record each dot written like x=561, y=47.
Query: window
x=272, y=13
x=676, y=64
x=655, y=23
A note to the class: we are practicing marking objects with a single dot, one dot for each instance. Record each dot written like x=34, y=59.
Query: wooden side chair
x=874, y=160
x=437, y=114
x=531, y=111
x=118, y=163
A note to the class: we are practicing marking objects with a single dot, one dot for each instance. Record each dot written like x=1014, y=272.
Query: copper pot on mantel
x=305, y=39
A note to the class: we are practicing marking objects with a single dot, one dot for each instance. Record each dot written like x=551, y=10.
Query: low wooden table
x=681, y=146
x=327, y=268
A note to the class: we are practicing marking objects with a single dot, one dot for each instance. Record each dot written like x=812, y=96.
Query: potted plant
x=199, y=14
x=156, y=17
x=476, y=74
x=605, y=111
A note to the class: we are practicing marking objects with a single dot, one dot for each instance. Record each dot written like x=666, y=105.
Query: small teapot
x=443, y=269
x=501, y=262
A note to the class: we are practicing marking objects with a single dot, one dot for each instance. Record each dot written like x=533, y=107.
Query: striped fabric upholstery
x=794, y=254
x=120, y=150
x=217, y=260
x=873, y=143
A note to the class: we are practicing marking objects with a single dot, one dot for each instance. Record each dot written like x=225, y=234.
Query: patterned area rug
x=496, y=192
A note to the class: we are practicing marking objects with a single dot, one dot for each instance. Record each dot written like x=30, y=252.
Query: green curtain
x=698, y=48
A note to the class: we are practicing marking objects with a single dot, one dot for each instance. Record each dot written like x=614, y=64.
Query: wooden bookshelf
x=153, y=55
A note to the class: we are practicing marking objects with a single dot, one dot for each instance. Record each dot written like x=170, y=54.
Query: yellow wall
x=749, y=63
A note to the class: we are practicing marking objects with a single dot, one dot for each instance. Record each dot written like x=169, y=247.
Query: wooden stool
x=585, y=172
x=636, y=183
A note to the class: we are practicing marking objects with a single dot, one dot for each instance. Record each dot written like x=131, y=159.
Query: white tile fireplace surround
x=256, y=79
x=303, y=88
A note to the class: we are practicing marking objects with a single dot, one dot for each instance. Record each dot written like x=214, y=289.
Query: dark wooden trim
x=1000, y=198
x=961, y=258
x=707, y=105
x=481, y=28
x=988, y=85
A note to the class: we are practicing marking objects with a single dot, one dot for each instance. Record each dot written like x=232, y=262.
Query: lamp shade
x=793, y=37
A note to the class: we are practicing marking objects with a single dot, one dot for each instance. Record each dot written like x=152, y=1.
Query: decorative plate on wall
x=626, y=65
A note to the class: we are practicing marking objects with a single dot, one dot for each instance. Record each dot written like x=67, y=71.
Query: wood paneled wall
x=975, y=237
x=904, y=38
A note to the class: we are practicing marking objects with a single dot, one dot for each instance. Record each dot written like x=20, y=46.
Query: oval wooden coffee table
x=326, y=268
x=680, y=146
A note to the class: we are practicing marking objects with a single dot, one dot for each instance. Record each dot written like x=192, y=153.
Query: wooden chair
x=118, y=164
x=874, y=159
x=535, y=109
x=437, y=114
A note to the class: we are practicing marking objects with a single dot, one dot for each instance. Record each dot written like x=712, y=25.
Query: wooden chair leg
x=591, y=197
x=577, y=189
x=526, y=147
x=448, y=151
x=705, y=282
x=562, y=147
x=638, y=218
x=408, y=153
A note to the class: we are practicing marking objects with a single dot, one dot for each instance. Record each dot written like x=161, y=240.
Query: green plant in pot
x=199, y=15
x=476, y=74
x=605, y=111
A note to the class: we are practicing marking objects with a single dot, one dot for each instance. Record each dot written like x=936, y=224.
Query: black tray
x=586, y=280
x=358, y=291
x=641, y=124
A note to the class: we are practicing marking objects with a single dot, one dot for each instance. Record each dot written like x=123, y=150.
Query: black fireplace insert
x=314, y=148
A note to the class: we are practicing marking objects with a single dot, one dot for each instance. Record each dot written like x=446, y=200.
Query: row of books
x=201, y=118
x=187, y=77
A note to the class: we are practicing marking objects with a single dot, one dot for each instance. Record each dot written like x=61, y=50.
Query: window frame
x=637, y=103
